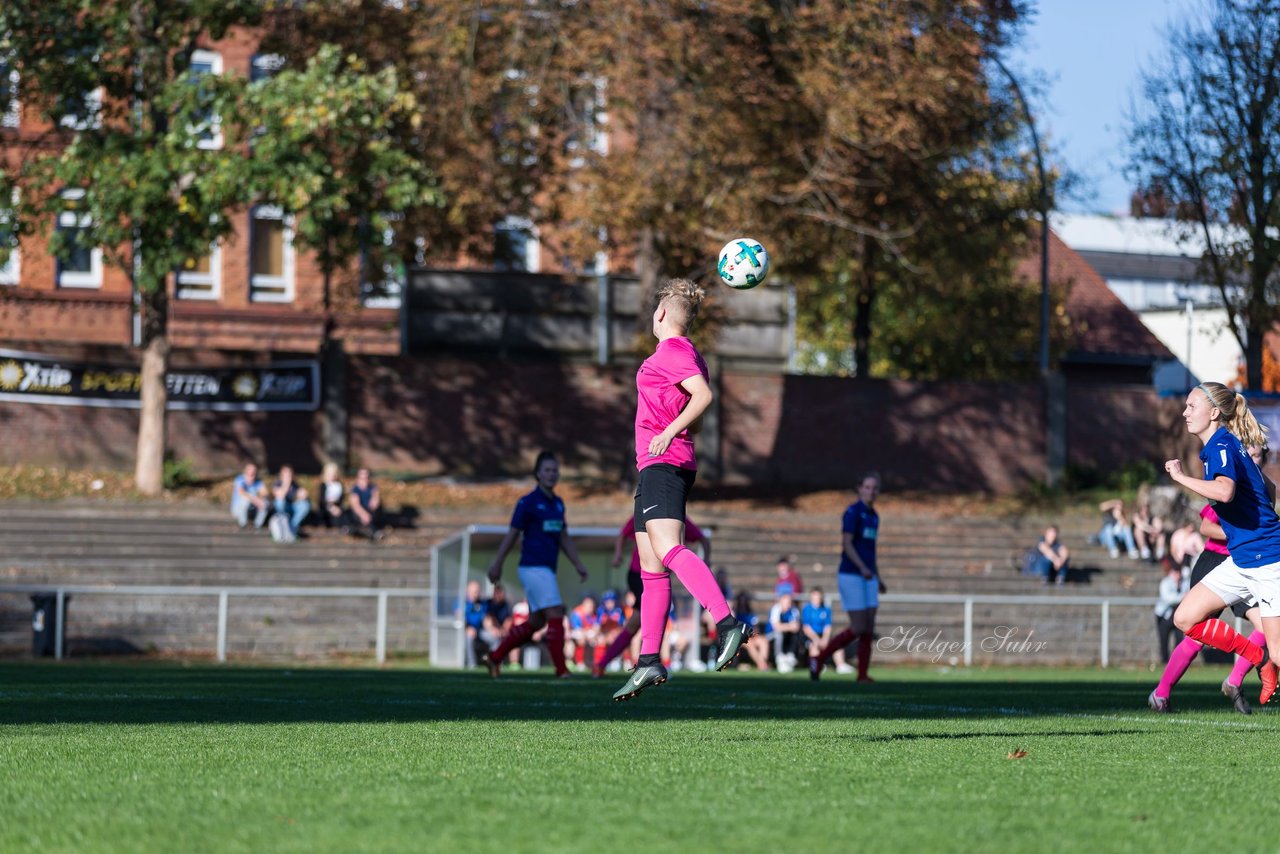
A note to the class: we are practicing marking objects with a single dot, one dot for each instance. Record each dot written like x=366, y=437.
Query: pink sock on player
x=621, y=642
x=654, y=605
x=1179, y=660
x=696, y=576
x=1243, y=666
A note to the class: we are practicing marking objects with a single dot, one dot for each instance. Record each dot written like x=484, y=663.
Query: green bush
x=179, y=473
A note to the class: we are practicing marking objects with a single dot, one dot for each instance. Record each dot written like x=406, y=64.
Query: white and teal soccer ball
x=744, y=263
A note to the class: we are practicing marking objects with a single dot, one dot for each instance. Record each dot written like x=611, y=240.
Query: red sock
x=837, y=643
x=620, y=643
x=864, y=654
x=1219, y=635
x=579, y=654
x=555, y=643
x=519, y=636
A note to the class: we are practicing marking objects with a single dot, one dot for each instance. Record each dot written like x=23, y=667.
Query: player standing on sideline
x=692, y=536
x=539, y=521
x=1221, y=419
x=1215, y=552
x=672, y=395
x=858, y=579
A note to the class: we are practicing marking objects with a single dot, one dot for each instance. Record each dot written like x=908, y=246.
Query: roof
x=1126, y=235
x=1102, y=326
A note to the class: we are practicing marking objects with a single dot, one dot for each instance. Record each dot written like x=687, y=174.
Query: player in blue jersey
x=539, y=523
x=858, y=580
x=1235, y=485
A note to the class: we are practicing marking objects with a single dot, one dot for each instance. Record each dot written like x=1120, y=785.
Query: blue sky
x=1088, y=54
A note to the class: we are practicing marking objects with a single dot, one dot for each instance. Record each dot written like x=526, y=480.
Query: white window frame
x=272, y=288
x=92, y=103
x=77, y=219
x=12, y=117
x=214, y=60
x=11, y=270
x=532, y=245
x=193, y=285
x=265, y=65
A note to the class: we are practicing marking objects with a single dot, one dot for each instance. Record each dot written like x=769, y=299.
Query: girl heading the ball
x=672, y=395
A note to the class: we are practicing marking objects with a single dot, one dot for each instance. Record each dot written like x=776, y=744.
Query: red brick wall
x=440, y=415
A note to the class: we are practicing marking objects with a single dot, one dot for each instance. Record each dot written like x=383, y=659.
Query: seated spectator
x=290, y=500
x=584, y=631
x=757, y=645
x=674, y=643
x=1148, y=528
x=365, y=506
x=1052, y=557
x=249, y=495
x=498, y=616
x=1116, y=530
x=1185, y=544
x=788, y=579
x=331, y=494
x=1172, y=588
x=474, y=610
x=815, y=622
x=784, y=619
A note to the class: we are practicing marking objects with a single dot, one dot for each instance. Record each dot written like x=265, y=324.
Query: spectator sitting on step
x=815, y=622
x=290, y=499
x=1185, y=544
x=474, y=610
x=1148, y=528
x=1052, y=557
x=248, y=494
x=366, y=506
x=757, y=645
x=784, y=618
x=331, y=495
x=788, y=579
x=1115, y=529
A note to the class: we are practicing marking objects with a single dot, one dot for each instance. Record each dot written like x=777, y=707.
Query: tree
x=154, y=196
x=1203, y=142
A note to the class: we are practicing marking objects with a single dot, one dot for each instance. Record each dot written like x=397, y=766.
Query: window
x=81, y=263
x=201, y=278
x=382, y=273
x=9, y=110
x=270, y=256
x=265, y=65
x=208, y=127
x=515, y=246
x=83, y=112
x=11, y=268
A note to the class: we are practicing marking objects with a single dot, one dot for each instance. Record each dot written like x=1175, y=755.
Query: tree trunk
x=149, y=473
x=862, y=311
x=1253, y=358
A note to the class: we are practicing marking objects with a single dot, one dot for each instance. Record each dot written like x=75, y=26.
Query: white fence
x=223, y=595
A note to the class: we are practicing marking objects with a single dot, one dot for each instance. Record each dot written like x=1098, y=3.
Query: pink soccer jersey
x=661, y=400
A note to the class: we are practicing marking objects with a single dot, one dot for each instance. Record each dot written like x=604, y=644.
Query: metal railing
x=224, y=594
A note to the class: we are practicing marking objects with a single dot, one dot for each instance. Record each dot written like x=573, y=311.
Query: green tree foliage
x=154, y=196
x=1203, y=143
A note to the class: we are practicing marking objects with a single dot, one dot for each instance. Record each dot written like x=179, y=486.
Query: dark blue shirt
x=864, y=523
x=500, y=611
x=1249, y=520
x=474, y=613
x=540, y=519
x=363, y=494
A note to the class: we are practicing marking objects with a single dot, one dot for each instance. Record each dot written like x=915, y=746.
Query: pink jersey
x=661, y=400
x=1216, y=546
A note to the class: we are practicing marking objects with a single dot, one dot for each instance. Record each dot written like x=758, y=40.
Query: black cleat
x=729, y=643
x=642, y=677
x=1236, y=696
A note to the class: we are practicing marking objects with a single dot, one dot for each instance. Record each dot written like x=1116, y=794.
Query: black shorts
x=636, y=585
x=662, y=493
x=1206, y=563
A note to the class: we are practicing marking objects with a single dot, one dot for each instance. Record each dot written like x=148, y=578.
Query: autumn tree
x=1203, y=142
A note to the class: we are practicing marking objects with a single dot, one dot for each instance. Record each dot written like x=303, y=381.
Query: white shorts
x=540, y=587
x=1236, y=584
x=858, y=593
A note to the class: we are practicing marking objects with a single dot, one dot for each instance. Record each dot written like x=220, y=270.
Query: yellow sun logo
x=245, y=386
x=11, y=375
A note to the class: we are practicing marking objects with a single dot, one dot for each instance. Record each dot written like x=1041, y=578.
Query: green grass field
x=166, y=757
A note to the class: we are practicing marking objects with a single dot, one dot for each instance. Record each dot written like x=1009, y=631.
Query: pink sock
x=1179, y=660
x=654, y=605
x=697, y=578
x=1243, y=666
x=621, y=642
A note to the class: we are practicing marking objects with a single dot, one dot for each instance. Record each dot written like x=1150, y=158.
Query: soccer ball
x=744, y=263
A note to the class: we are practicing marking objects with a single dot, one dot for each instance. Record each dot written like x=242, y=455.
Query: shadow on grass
x=94, y=692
